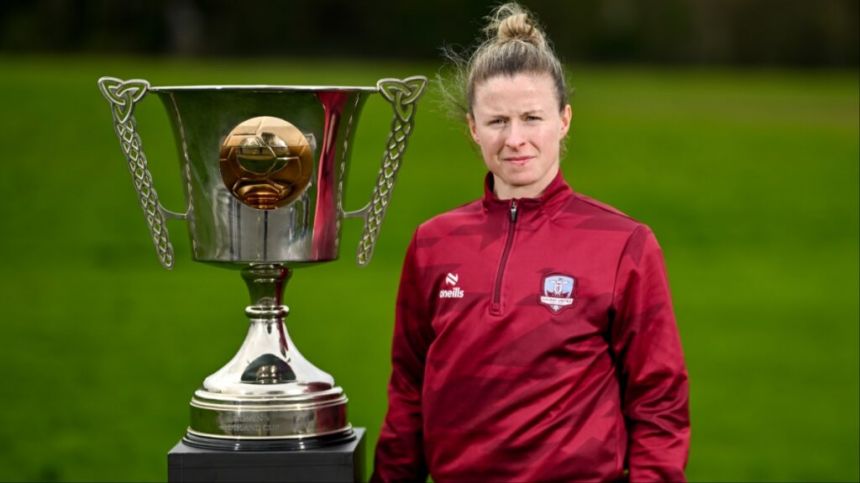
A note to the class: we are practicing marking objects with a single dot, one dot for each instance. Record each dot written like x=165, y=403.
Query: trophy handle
x=122, y=96
x=403, y=96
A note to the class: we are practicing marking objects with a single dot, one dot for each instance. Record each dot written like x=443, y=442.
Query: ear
x=472, y=127
x=566, y=116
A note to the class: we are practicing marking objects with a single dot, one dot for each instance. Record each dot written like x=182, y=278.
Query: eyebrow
x=524, y=113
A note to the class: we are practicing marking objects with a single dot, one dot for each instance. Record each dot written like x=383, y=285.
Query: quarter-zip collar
x=555, y=196
x=526, y=213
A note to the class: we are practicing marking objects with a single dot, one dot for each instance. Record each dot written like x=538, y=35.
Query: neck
x=504, y=191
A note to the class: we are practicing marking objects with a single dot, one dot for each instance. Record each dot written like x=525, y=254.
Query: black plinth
x=337, y=463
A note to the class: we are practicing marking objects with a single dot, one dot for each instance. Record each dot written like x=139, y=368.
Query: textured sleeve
x=645, y=340
x=400, y=449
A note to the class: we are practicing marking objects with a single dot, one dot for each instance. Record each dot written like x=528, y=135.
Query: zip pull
x=513, y=211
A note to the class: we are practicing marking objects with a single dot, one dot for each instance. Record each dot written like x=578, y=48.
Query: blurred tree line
x=768, y=32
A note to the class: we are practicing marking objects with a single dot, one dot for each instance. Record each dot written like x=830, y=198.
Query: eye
x=533, y=118
x=498, y=121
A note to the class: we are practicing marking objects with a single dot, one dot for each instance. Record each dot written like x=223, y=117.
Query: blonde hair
x=513, y=43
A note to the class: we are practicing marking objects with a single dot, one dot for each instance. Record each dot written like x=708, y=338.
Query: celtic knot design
x=122, y=96
x=403, y=96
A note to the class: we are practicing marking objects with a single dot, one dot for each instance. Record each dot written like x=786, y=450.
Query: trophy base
x=336, y=463
x=278, y=420
x=268, y=397
x=278, y=444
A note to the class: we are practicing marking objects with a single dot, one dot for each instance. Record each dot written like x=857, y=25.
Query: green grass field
x=749, y=179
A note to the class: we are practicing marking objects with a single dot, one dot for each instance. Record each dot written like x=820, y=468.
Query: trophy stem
x=266, y=285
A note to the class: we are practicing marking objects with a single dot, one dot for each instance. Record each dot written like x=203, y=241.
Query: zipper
x=496, y=306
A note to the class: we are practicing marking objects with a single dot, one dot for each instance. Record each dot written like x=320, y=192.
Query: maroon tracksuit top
x=535, y=340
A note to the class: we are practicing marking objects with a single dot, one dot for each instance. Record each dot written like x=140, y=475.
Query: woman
x=534, y=338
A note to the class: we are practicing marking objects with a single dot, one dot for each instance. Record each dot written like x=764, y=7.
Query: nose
x=516, y=136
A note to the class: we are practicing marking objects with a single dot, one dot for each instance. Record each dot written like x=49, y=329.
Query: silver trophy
x=264, y=171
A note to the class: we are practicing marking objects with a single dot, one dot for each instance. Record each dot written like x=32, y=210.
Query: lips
x=518, y=160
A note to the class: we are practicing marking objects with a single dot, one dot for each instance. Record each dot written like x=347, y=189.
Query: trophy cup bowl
x=264, y=172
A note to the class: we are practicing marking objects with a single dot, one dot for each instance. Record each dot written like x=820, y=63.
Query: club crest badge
x=557, y=292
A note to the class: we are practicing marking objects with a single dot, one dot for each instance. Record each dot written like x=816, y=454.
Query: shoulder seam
x=453, y=211
x=613, y=211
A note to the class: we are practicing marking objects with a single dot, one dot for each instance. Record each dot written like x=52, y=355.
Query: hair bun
x=510, y=22
x=518, y=27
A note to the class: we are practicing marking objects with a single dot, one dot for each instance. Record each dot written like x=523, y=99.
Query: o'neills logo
x=452, y=293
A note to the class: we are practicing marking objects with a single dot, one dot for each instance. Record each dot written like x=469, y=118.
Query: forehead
x=519, y=92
